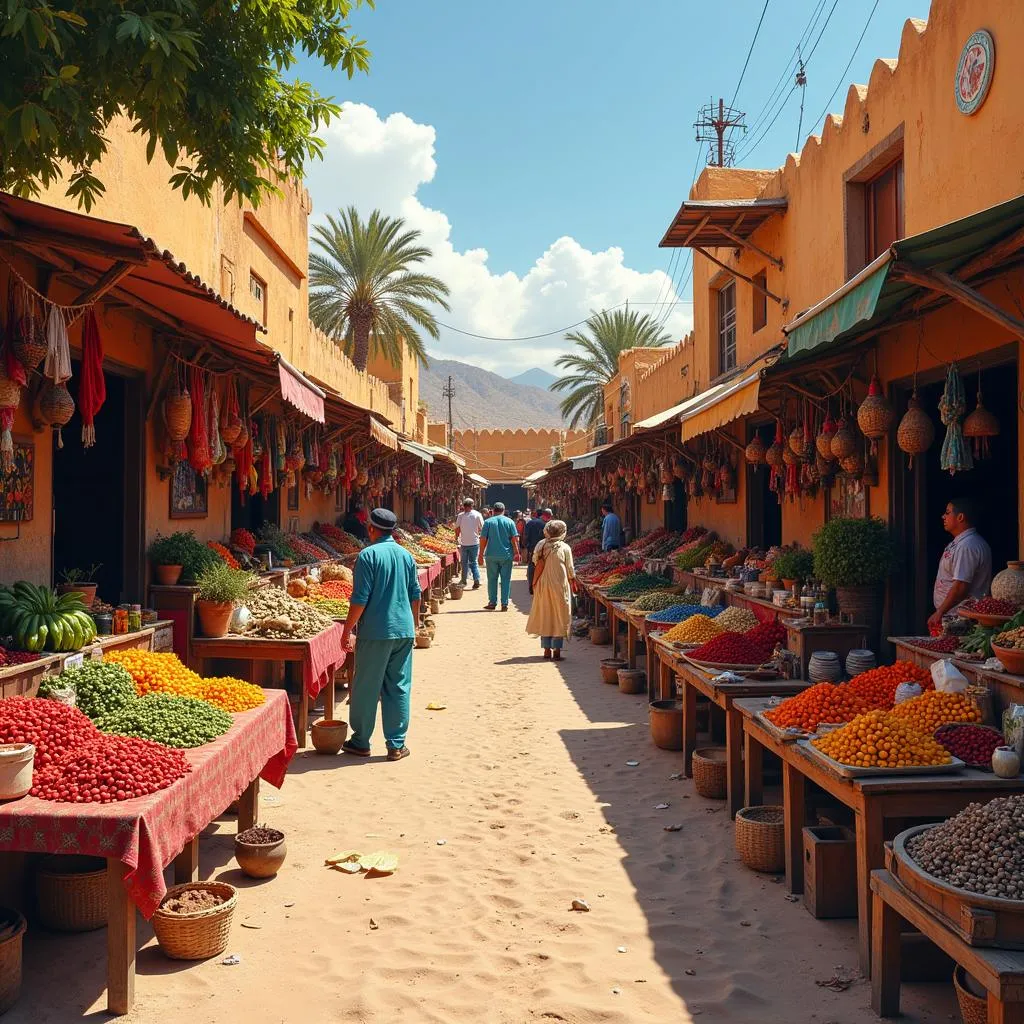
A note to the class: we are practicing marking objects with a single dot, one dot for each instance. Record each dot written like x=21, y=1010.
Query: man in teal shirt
x=386, y=605
x=499, y=538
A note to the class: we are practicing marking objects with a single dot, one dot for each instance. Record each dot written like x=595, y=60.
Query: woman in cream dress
x=551, y=611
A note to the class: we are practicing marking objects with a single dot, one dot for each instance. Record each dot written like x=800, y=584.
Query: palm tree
x=362, y=292
x=602, y=338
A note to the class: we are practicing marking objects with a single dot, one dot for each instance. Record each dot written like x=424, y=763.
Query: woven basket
x=10, y=392
x=774, y=455
x=760, y=838
x=29, y=353
x=10, y=960
x=973, y=1009
x=916, y=431
x=844, y=441
x=178, y=415
x=196, y=936
x=230, y=428
x=798, y=443
x=852, y=463
x=423, y=638
x=823, y=442
x=709, y=778
x=71, y=892
x=875, y=414
x=755, y=452
x=56, y=406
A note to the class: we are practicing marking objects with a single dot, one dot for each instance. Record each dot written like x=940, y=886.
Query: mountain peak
x=535, y=377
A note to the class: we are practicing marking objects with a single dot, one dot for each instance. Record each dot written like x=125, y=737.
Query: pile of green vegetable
x=635, y=584
x=656, y=600
x=277, y=540
x=100, y=687
x=689, y=560
x=173, y=721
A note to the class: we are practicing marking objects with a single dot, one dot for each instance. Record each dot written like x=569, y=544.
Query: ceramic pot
x=667, y=724
x=87, y=590
x=1008, y=585
x=328, y=735
x=260, y=860
x=167, y=575
x=214, y=617
x=1006, y=762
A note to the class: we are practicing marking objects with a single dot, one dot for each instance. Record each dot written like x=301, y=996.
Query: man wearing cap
x=386, y=605
x=499, y=545
x=468, y=524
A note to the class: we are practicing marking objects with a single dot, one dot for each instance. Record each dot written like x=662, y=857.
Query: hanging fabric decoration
x=58, y=350
x=199, y=441
x=92, y=385
x=218, y=453
x=774, y=458
x=956, y=456
x=10, y=364
x=281, y=446
x=10, y=399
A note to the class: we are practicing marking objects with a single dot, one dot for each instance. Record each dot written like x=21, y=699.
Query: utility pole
x=448, y=391
x=712, y=124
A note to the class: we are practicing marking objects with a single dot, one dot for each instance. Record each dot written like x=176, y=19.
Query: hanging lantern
x=853, y=464
x=916, y=431
x=980, y=426
x=56, y=407
x=754, y=453
x=798, y=445
x=844, y=441
x=875, y=414
x=826, y=467
x=823, y=442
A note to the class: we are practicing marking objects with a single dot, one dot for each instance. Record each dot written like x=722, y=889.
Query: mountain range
x=486, y=400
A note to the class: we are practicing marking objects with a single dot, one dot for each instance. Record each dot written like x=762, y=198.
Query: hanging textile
x=14, y=371
x=198, y=440
x=218, y=453
x=58, y=349
x=92, y=385
x=956, y=456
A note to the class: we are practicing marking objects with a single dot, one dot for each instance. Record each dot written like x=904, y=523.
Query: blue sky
x=545, y=145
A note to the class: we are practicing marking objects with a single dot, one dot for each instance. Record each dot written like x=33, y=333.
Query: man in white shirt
x=468, y=524
x=965, y=569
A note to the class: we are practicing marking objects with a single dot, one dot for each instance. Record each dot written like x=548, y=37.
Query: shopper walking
x=499, y=546
x=533, y=534
x=554, y=579
x=468, y=524
x=520, y=520
x=385, y=604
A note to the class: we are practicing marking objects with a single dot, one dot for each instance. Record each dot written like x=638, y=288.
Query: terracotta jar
x=1008, y=585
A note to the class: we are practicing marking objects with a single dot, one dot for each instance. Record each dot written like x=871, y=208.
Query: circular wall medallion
x=974, y=72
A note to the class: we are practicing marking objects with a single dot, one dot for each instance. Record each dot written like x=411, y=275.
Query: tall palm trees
x=602, y=338
x=362, y=292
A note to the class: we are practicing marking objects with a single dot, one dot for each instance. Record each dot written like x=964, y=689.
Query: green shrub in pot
x=218, y=589
x=794, y=564
x=185, y=549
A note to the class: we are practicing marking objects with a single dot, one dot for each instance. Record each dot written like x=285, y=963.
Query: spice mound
x=260, y=834
x=878, y=739
x=191, y=901
x=697, y=629
x=737, y=620
x=276, y=615
x=978, y=849
x=823, y=702
x=1012, y=639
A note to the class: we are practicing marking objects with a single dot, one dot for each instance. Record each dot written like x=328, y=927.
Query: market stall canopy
x=667, y=415
x=728, y=400
x=478, y=479
x=887, y=288
x=415, y=449
x=534, y=477
x=298, y=390
x=446, y=455
x=589, y=459
x=714, y=223
x=381, y=434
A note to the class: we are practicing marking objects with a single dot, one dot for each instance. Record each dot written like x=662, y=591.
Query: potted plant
x=794, y=566
x=855, y=556
x=168, y=555
x=82, y=581
x=219, y=588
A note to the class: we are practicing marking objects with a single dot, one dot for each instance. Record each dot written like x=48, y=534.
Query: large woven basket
x=13, y=925
x=196, y=936
x=760, y=838
x=178, y=415
x=56, y=406
x=71, y=892
x=29, y=353
x=973, y=1009
x=709, y=773
x=10, y=392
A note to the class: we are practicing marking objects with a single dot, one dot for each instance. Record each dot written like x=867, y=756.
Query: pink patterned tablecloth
x=324, y=656
x=147, y=833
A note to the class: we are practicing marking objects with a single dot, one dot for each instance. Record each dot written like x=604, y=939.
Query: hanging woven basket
x=825, y=467
x=178, y=414
x=10, y=390
x=823, y=442
x=844, y=441
x=755, y=452
x=30, y=352
x=773, y=456
x=916, y=432
x=230, y=429
x=56, y=406
x=790, y=457
x=980, y=425
x=875, y=414
x=852, y=464
x=798, y=442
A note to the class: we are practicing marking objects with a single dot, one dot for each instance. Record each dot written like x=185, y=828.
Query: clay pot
x=87, y=590
x=600, y=635
x=1008, y=585
x=261, y=860
x=435, y=606
x=214, y=617
x=328, y=735
x=610, y=670
x=667, y=724
x=1006, y=762
x=632, y=680
x=167, y=575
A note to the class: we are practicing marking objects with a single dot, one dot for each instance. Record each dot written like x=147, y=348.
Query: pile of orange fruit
x=230, y=694
x=878, y=685
x=933, y=709
x=823, y=702
x=878, y=739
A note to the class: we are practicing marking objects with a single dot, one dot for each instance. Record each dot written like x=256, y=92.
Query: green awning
x=867, y=300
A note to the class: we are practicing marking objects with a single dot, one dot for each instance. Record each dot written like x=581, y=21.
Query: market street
x=516, y=800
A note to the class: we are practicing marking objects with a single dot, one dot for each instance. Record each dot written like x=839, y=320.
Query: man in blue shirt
x=611, y=529
x=499, y=545
x=386, y=606
x=533, y=534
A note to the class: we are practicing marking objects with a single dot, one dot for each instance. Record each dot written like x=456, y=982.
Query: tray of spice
x=718, y=666
x=988, y=611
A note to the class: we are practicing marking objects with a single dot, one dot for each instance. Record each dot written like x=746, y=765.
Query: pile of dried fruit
x=16, y=657
x=878, y=739
x=978, y=849
x=737, y=619
x=932, y=709
x=336, y=573
x=973, y=744
x=730, y=649
x=1012, y=638
x=697, y=629
x=158, y=672
x=823, y=702
x=878, y=685
x=939, y=644
x=342, y=542
x=990, y=606
x=585, y=548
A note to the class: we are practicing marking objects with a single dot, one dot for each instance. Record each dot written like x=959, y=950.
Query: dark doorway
x=251, y=511
x=98, y=494
x=764, y=513
x=675, y=509
x=920, y=493
x=512, y=496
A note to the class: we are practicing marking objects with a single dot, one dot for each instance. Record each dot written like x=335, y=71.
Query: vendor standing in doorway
x=611, y=529
x=965, y=569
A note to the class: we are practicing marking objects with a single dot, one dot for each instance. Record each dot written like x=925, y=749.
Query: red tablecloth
x=324, y=656
x=147, y=833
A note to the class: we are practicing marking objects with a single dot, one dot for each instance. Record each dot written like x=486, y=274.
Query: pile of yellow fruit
x=230, y=694
x=933, y=709
x=878, y=739
x=697, y=629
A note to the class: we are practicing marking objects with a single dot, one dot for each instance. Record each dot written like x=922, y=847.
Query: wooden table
x=692, y=681
x=877, y=801
x=1001, y=971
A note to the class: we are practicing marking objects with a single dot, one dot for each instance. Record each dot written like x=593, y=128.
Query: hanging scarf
x=243, y=465
x=12, y=365
x=956, y=456
x=58, y=349
x=218, y=453
x=92, y=385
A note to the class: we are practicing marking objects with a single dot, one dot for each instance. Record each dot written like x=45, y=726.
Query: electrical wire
x=757, y=32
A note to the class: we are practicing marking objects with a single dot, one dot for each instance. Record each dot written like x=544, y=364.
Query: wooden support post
x=753, y=771
x=120, y=941
x=689, y=725
x=885, y=958
x=870, y=855
x=743, y=277
x=794, y=817
x=104, y=283
x=186, y=864
x=746, y=243
x=734, y=763
x=249, y=805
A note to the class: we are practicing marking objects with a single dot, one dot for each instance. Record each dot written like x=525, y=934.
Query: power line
x=756, y=142
x=757, y=32
x=823, y=27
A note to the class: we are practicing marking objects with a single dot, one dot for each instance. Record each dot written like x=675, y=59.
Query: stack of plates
x=860, y=661
x=824, y=667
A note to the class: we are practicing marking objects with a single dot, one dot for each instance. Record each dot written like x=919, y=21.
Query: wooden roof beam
x=743, y=277
x=104, y=283
x=745, y=243
x=59, y=239
x=700, y=225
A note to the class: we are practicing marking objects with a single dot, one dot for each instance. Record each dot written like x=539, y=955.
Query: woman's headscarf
x=554, y=529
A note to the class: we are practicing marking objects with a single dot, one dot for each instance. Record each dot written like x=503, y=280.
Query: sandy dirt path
x=516, y=800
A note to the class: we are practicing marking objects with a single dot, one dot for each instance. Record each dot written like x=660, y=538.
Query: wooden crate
x=830, y=871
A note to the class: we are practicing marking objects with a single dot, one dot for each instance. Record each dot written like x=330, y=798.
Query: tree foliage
x=206, y=82
x=362, y=292
x=602, y=338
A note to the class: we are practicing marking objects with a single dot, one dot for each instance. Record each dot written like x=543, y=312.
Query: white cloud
x=372, y=162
